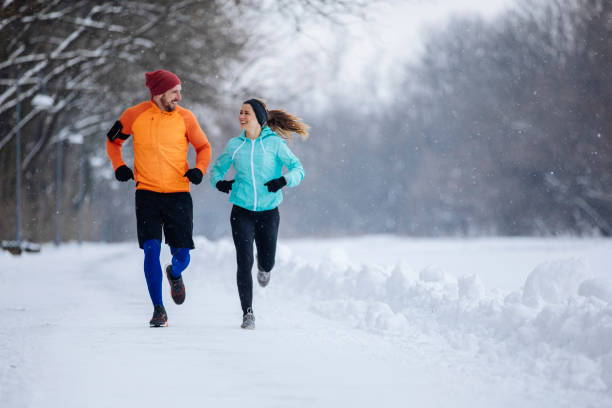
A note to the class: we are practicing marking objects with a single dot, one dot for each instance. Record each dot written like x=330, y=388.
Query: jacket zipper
x=253, y=176
x=153, y=130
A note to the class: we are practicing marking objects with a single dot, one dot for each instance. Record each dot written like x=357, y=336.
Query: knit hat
x=160, y=81
x=260, y=111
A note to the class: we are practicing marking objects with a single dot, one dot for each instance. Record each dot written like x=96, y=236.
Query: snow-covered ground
x=356, y=322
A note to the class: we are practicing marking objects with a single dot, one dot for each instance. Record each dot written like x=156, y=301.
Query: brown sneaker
x=177, y=287
x=160, y=318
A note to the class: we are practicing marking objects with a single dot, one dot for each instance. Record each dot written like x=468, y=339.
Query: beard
x=168, y=105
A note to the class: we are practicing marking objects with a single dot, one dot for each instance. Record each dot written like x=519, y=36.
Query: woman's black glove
x=194, y=175
x=124, y=173
x=224, y=186
x=276, y=184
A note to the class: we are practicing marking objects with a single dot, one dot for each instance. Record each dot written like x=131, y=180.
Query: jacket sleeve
x=113, y=147
x=198, y=139
x=221, y=166
x=295, y=173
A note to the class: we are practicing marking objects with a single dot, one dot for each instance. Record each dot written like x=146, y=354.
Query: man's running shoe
x=248, y=320
x=160, y=318
x=177, y=287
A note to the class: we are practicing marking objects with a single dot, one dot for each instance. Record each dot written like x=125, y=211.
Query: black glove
x=194, y=175
x=276, y=184
x=124, y=173
x=224, y=186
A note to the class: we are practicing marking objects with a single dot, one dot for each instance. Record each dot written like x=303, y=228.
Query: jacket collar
x=163, y=112
x=265, y=133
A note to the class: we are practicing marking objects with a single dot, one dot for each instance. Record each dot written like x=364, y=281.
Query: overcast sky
x=395, y=28
x=359, y=54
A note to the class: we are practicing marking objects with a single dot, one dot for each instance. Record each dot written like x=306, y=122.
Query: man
x=162, y=132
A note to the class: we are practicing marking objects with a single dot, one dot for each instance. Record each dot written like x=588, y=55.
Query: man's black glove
x=194, y=175
x=224, y=186
x=276, y=184
x=124, y=173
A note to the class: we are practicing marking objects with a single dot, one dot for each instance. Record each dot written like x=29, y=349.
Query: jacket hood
x=265, y=133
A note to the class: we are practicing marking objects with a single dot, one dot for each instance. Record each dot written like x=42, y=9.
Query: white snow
x=42, y=101
x=599, y=288
x=76, y=138
x=354, y=322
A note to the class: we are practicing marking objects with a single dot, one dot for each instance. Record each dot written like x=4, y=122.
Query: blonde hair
x=284, y=123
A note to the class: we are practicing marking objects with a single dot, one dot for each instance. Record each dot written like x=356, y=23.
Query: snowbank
x=559, y=325
x=554, y=282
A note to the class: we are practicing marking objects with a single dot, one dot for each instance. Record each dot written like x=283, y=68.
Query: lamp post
x=44, y=103
x=59, y=150
x=78, y=140
x=15, y=247
x=18, y=174
x=40, y=102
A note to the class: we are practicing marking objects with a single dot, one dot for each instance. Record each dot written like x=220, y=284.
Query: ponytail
x=284, y=123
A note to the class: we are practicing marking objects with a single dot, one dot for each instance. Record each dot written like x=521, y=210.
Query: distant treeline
x=69, y=67
x=502, y=127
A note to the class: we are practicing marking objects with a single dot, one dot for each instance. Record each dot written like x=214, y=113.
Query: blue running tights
x=153, y=269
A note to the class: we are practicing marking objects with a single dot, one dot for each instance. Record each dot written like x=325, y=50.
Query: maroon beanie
x=160, y=81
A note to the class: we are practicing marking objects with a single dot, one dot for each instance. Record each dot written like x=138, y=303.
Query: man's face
x=170, y=98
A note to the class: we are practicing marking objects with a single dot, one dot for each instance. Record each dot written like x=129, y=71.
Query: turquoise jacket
x=257, y=162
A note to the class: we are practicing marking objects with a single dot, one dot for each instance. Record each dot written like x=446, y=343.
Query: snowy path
x=76, y=335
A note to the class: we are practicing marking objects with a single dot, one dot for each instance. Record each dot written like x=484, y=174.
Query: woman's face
x=247, y=118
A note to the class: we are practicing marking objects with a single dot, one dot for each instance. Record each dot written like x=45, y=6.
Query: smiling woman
x=258, y=156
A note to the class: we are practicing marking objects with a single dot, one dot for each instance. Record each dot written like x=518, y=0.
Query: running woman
x=258, y=155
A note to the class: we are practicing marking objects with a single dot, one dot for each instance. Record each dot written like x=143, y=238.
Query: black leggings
x=261, y=226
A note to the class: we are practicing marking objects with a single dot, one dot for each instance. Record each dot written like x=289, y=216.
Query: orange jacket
x=161, y=143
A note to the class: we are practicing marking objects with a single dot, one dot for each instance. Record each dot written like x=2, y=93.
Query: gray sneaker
x=248, y=320
x=263, y=278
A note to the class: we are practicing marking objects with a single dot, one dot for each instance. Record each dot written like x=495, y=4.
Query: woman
x=258, y=155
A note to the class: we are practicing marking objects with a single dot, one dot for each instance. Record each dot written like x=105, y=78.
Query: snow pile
x=554, y=282
x=559, y=325
x=597, y=288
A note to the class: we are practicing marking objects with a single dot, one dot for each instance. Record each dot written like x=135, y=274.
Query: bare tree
x=514, y=137
x=85, y=60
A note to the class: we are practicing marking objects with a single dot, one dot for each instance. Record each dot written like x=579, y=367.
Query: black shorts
x=171, y=211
